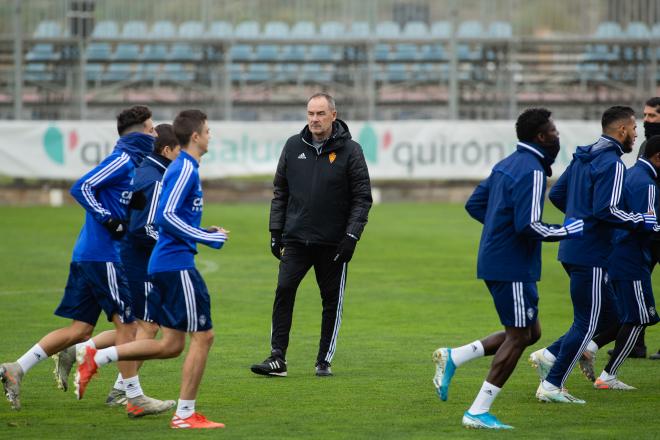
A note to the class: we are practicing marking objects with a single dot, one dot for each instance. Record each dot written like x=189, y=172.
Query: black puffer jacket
x=319, y=198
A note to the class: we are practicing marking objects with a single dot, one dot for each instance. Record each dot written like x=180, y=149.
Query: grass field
x=411, y=288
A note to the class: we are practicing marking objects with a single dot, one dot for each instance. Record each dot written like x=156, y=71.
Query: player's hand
x=650, y=221
x=574, y=227
x=117, y=228
x=345, y=249
x=276, y=245
x=218, y=229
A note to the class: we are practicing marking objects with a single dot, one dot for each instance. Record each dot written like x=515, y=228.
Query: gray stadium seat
x=176, y=72
x=267, y=52
x=286, y=73
x=333, y=29
x=293, y=53
x=500, y=29
x=154, y=52
x=382, y=52
x=127, y=51
x=43, y=52
x=220, y=29
x=315, y=73
x=433, y=52
x=48, y=29
x=387, y=29
x=241, y=52
x=38, y=72
x=324, y=52
x=415, y=29
x=359, y=29
x=148, y=72
x=470, y=29
x=99, y=52
x=396, y=72
x=191, y=29
x=118, y=72
x=303, y=29
x=405, y=52
x=258, y=72
x=184, y=51
x=603, y=52
x=441, y=29
x=106, y=29
x=163, y=29
x=276, y=29
x=637, y=30
x=134, y=29
x=247, y=29
x=236, y=72
x=93, y=71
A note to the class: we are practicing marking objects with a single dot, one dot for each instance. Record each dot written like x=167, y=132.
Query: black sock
x=625, y=341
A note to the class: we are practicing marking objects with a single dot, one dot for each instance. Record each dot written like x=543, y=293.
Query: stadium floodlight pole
x=18, y=61
x=453, y=62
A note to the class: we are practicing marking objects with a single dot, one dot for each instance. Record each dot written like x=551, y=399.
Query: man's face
x=320, y=117
x=550, y=136
x=148, y=128
x=629, y=134
x=202, y=139
x=651, y=114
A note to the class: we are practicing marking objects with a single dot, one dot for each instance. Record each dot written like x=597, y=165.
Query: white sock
x=105, y=356
x=87, y=343
x=484, y=399
x=119, y=383
x=592, y=347
x=549, y=356
x=132, y=387
x=461, y=355
x=185, y=408
x=606, y=376
x=31, y=358
x=548, y=386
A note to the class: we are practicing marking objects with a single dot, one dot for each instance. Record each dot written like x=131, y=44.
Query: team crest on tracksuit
x=202, y=320
x=332, y=156
x=530, y=313
x=652, y=311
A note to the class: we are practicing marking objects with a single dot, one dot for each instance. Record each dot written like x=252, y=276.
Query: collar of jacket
x=185, y=155
x=652, y=171
x=161, y=162
x=613, y=141
x=539, y=152
x=137, y=145
x=340, y=134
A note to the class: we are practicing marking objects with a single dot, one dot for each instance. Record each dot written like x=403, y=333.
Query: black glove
x=276, y=246
x=116, y=227
x=138, y=201
x=345, y=249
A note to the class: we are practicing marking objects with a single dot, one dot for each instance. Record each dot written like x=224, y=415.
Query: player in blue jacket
x=591, y=188
x=185, y=301
x=97, y=281
x=509, y=203
x=629, y=268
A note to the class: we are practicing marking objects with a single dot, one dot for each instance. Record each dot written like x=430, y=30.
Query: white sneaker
x=542, y=364
x=611, y=384
x=556, y=396
x=586, y=363
x=64, y=361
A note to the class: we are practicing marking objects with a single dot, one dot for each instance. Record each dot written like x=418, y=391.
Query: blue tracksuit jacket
x=631, y=255
x=105, y=192
x=591, y=189
x=178, y=217
x=509, y=203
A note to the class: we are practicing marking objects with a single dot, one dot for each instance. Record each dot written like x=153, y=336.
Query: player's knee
x=207, y=338
x=81, y=332
x=534, y=337
x=174, y=348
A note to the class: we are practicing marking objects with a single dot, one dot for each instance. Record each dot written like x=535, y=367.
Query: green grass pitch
x=411, y=288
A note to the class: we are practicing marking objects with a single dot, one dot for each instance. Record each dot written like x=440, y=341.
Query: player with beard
x=590, y=189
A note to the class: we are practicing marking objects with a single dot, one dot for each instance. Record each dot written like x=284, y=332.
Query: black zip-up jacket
x=321, y=197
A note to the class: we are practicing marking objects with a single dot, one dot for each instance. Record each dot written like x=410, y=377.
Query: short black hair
x=132, y=116
x=532, y=122
x=166, y=138
x=616, y=114
x=653, y=102
x=186, y=123
x=652, y=146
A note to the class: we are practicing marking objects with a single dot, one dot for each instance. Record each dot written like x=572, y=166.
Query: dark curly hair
x=532, y=122
x=131, y=117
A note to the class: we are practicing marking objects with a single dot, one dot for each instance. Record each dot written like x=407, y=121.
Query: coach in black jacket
x=320, y=206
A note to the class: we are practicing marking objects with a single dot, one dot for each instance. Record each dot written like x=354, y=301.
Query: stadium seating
x=127, y=52
x=191, y=30
x=134, y=29
x=105, y=29
x=275, y=30
x=221, y=29
x=163, y=29
x=48, y=29
x=43, y=52
x=333, y=29
x=99, y=52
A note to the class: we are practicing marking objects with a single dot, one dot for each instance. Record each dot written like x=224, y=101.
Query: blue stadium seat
x=433, y=52
x=187, y=52
x=303, y=29
x=118, y=72
x=106, y=29
x=396, y=72
x=333, y=29
x=258, y=72
x=441, y=29
x=467, y=30
x=134, y=29
x=93, y=72
x=324, y=52
x=315, y=73
x=387, y=29
x=415, y=29
x=236, y=72
x=382, y=52
x=43, y=52
x=287, y=73
x=359, y=29
x=154, y=52
x=221, y=29
x=405, y=52
x=176, y=72
x=127, y=51
x=293, y=53
x=267, y=52
x=430, y=73
x=592, y=72
x=191, y=29
x=149, y=72
x=276, y=29
x=48, y=29
x=163, y=29
x=241, y=52
x=99, y=52
x=500, y=29
x=637, y=30
x=247, y=29
x=38, y=72
x=604, y=52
